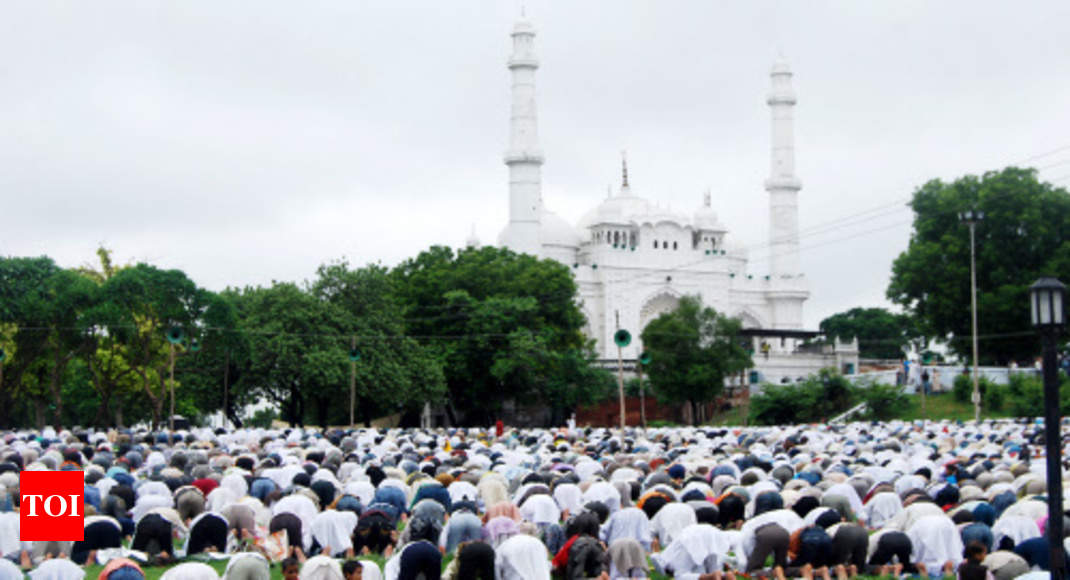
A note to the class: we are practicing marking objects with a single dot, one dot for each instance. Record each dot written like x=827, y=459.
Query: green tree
x=297, y=347
x=395, y=372
x=1025, y=234
x=24, y=310
x=504, y=325
x=881, y=333
x=69, y=297
x=142, y=302
x=214, y=374
x=693, y=349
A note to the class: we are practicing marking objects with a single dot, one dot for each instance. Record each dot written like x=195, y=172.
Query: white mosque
x=633, y=260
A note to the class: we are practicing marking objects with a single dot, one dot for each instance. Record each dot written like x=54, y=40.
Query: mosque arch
x=660, y=303
x=748, y=318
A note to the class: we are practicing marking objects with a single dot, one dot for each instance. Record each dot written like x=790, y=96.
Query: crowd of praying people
x=894, y=499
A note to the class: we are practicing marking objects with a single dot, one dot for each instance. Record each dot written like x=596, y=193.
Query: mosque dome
x=618, y=210
x=555, y=231
x=704, y=217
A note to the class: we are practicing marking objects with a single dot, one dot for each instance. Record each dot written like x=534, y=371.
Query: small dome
x=473, y=240
x=618, y=210
x=780, y=66
x=705, y=218
x=555, y=231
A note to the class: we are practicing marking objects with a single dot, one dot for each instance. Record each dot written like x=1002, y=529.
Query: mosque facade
x=633, y=259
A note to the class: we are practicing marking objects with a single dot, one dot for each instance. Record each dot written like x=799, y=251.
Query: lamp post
x=622, y=338
x=1046, y=307
x=644, y=359
x=354, y=356
x=971, y=217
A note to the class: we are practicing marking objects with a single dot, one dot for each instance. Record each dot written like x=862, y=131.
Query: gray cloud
x=250, y=142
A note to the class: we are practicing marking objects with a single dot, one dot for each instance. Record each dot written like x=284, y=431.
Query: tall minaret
x=782, y=185
x=523, y=157
x=787, y=288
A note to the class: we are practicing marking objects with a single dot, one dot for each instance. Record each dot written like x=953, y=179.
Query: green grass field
x=938, y=406
x=154, y=573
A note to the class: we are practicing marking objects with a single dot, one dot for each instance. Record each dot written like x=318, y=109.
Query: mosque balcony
x=522, y=62
x=783, y=182
x=781, y=96
x=523, y=156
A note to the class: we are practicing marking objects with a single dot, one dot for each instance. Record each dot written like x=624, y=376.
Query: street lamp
x=970, y=217
x=1046, y=307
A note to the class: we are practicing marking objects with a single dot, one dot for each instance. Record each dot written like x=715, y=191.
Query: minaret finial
x=706, y=198
x=624, y=170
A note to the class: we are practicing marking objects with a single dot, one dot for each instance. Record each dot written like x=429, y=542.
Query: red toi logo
x=50, y=506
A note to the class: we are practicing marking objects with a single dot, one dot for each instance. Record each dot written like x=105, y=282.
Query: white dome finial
x=473, y=239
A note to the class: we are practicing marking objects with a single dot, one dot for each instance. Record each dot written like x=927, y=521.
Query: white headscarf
x=59, y=569
x=936, y=540
x=146, y=503
x=191, y=571
x=335, y=529
x=363, y=490
x=235, y=483
x=881, y=508
x=697, y=548
x=9, y=571
x=569, y=497
x=1017, y=528
x=670, y=519
x=370, y=570
x=9, y=534
x=540, y=509
x=522, y=557
x=629, y=522
x=603, y=491
x=302, y=507
x=848, y=491
x=321, y=568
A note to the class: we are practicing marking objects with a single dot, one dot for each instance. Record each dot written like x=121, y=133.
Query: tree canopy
x=882, y=334
x=693, y=349
x=505, y=326
x=1025, y=234
x=89, y=345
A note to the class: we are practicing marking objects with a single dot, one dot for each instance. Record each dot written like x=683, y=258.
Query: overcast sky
x=246, y=142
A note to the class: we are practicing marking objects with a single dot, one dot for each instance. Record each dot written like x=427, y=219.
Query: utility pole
x=226, y=384
x=352, y=380
x=970, y=218
x=171, y=435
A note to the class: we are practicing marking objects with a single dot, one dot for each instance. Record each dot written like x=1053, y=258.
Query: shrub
x=817, y=398
x=883, y=402
x=263, y=418
x=962, y=388
x=1026, y=395
x=994, y=397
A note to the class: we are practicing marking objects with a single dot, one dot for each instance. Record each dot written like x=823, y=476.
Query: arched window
x=674, y=245
x=616, y=238
x=655, y=244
